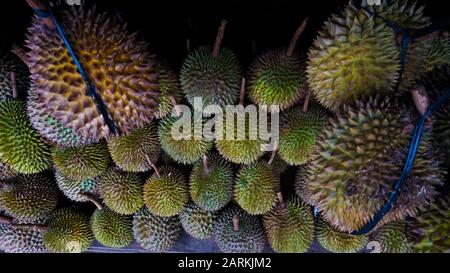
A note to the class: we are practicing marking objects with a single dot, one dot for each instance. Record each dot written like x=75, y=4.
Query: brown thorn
x=15, y=95
x=242, y=93
x=41, y=228
x=296, y=37
x=158, y=174
x=219, y=38
x=236, y=222
x=37, y=4
x=274, y=154
x=92, y=199
x=306, y=103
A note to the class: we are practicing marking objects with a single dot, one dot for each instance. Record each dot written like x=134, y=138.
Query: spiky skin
x=121, y=191
x=299, y=132
x=168, y=195
x=212, y=189
x=10, y=63
x=438, y=54
x=392, y=238
x=117, y=63
x=6, y=172
x=73, y=189
x=112, y=229
x=198, y=222
x=20, y=145
x=69, y=231
x=354, y=57
x=256, y=188
x=290, y=227
x=82, y=163
x=155, y=233
x=249, y=238
x=429, y=230
x=356, y=161
x=186, y=149
x=29, y=197
x=21, y=240
x=277, y=79
x=238, y=148
x=216, y=80
x=338, y=242
x=49, y=127
x=168, y=86
x=133, y=152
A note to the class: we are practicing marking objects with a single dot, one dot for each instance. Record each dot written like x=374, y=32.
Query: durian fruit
x=214, y=75
x=237, y=232
x=136, y=152
x=117, y=63
x=354, y=57
x=298, y=134
x=50, y=128
x=121, y=191
x=438, y=54
x=198, y=222
x=211, y=183
x=68, y=231
x=81, y=163
x=428, y=232
x=290, y=226
x=9, y=65
x=29, y=197
x=338, y=242
x=74, y=189
x=170, y=89
x=278, y=77
x=20, y=146
x=6, y=172
x=21, y=239
x=256, y=188
x=112, y=229
x=358, y=159
x=155, y=233
x=166, y=194
x=392, y=238
x=186, y=146
x=239, y=148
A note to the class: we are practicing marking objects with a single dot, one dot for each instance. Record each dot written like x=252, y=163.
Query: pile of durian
x=346, y=122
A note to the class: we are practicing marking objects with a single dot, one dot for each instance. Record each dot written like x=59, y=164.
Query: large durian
x=21, y=239
x=20, y=145
x=357, y=161
x=117, y=63
x=438, y=54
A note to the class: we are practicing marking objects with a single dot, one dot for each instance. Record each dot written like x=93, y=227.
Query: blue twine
x=100, y=104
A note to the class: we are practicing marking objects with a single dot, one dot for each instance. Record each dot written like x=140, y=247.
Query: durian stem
x=421, y=98
x=15, y=95
x=175, y=104
x=242, y=94
x=291, y=49
x=21, y=54
x=6, y=220
x=92, y=199
x=206, y=169
x=281, y=200
x=274, y=154
x=236, y=222
x=10, y=222
x=37, y=5
x=219, y=39
x=158, y=174
x=306, y=103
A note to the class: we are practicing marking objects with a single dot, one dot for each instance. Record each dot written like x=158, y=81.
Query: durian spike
x=15, y=95
x=236, y=222
x=38, y=5
x=274, y=154
x=20, y=53
x=219, y=38
x=281, y=199
x=10, y=222
x=421, y=98
x=158, y=174
x=306, y=103
x=206, y=169
x=176, y=106
x=291, y=49
x=92, y=199
x=242, y=94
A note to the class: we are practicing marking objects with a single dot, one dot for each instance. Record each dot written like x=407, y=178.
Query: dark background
x=164, y=24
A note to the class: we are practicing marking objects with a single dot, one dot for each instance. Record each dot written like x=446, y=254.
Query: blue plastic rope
x=100, y=104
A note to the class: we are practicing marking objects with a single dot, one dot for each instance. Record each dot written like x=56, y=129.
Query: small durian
x=154, y=233
x=256, y=188
x=338, y=242
x=211, y=183
x=170, y=89
x=136, y=152
x=82, y=163
x=392, y=238
x=112, y=229
x=237, y=232
x=122, y=192
x=166, y=192
x=198, y=222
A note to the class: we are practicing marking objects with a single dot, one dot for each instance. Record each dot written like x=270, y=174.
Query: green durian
x=112, y=229
x=338, y=242
x=74, y=189
x=392, y=238
x=198, y=222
